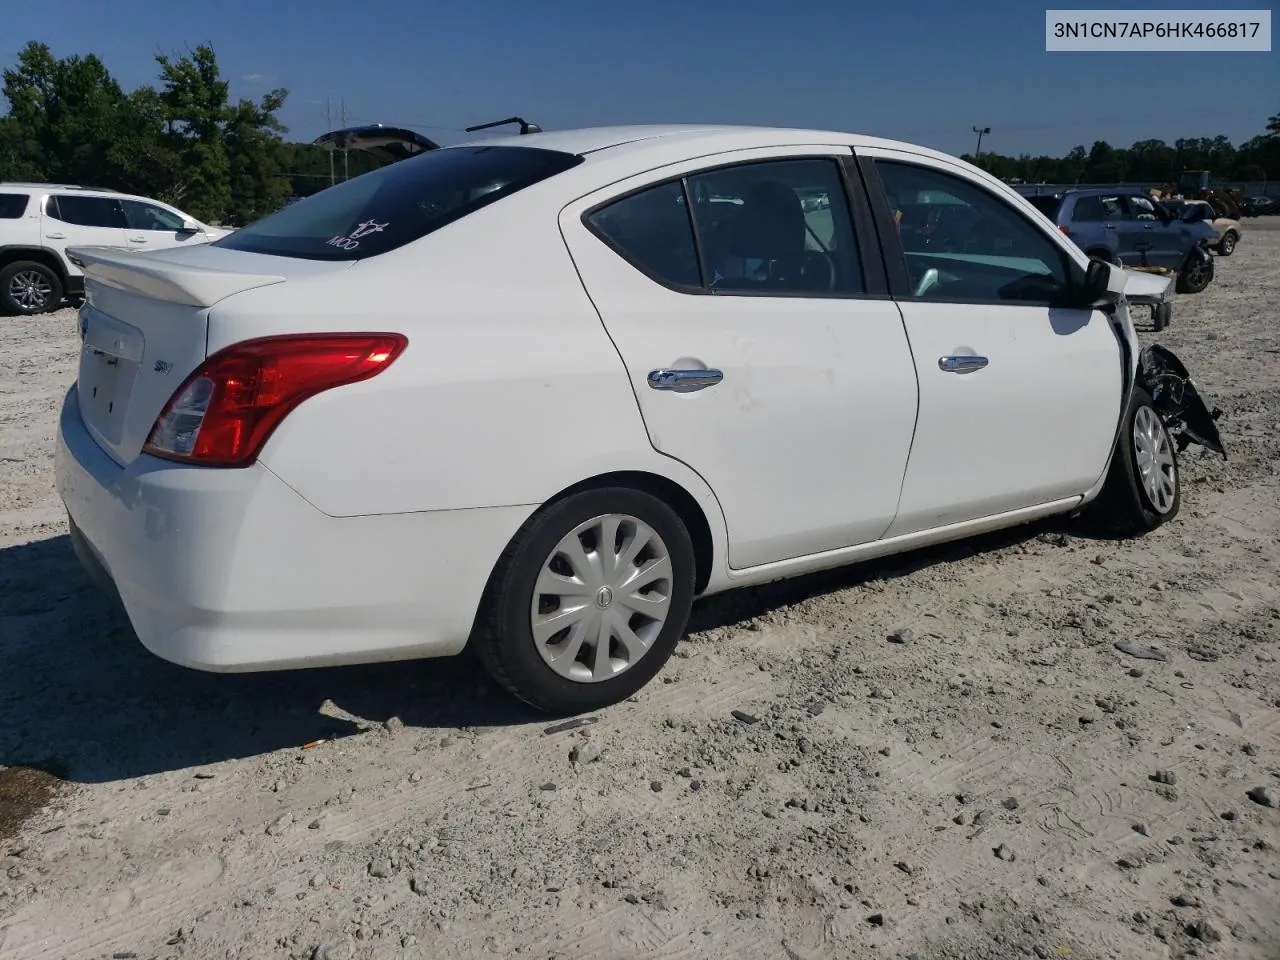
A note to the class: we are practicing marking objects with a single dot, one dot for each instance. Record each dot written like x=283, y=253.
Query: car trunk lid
x=144, y=328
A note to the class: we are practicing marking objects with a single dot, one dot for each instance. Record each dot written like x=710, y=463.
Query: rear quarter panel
x=509, y=392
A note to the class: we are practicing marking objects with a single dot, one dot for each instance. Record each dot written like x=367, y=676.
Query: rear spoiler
x=160, y=279
x=388, y=144
x=391, y=144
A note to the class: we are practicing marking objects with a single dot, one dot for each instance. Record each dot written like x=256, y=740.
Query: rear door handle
x=56, y=236
x=684, y=381
x=962, y=364
x=137, y=239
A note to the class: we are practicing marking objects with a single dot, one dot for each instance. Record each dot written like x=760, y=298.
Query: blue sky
x=925, y=71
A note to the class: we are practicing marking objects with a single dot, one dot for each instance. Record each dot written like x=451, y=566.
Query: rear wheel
x=28, y=287
x=1143, y=488
x=1227, y=245
x=588, y=601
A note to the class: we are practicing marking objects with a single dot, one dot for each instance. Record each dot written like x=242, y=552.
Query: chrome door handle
x=55, y=236
x=963, y=364
x=684, y=381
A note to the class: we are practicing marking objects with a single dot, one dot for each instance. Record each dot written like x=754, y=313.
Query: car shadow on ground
x=80, y=697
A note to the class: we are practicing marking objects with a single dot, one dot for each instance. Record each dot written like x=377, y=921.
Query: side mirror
x=190, y=226
x=1102, y=283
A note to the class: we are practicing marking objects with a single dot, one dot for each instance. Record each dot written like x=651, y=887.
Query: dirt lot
x=1006, y=783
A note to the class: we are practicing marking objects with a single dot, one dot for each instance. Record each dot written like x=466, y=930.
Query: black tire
x=1161, y=314
x=504, y=639
x=28, y=287
x=1195, y=274
x=1227, y=245
x=1124, y=507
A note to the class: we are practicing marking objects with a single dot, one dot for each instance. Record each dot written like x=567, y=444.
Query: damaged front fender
x=1178, y=401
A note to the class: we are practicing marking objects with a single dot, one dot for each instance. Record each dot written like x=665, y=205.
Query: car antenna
x=525, y=125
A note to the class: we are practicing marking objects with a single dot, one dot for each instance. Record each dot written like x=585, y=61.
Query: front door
x=1157, y=240
x=758, y=349
x=149, y=226
x=1019, y=401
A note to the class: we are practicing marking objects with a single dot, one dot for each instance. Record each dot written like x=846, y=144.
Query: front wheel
x=1196, y=272
x=1143, y=487
x=588, y=601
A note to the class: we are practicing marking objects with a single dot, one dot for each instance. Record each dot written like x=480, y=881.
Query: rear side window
x=652, y=230
x=397, y=204
x=776, y=227
x=12, y=205
x=1049, y=206
x=85, y=211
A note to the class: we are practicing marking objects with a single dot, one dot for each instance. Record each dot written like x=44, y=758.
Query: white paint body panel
x=370, y=524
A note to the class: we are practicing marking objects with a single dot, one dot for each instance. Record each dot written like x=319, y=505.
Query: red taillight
x=224, y=412
x=1064, y=230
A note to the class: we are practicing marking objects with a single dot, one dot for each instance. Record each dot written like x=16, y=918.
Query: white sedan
x=538, y=393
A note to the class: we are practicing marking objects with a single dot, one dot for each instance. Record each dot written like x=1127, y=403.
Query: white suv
x=38, y=221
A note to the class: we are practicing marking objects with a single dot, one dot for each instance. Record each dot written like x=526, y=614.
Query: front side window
x=1142, y=208
x=147, y=216
x=397, y=204
x=772, y=227
x=85, y=211
x=12, y=205
x=977, y=247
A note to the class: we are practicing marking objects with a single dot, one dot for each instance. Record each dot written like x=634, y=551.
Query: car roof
x=618, y=140
x=1105, y=192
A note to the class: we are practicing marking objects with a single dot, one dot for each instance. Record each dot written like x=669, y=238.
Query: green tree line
x=1147, y=161
x=182, y=141
x=185, y=142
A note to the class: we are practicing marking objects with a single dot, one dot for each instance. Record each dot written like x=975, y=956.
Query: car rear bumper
x=231, y=570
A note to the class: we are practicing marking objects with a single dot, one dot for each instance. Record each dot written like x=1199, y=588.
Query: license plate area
x=104, y=387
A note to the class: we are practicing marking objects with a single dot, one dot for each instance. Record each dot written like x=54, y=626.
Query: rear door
x=762, y=346
x=1019, y=400
x=72, y=219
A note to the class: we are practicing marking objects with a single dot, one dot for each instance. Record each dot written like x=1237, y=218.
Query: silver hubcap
x=1153, y=452
x=30, y=290
x=601, y=598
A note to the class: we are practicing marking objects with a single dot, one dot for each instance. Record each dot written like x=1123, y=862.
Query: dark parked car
x=1126, y=226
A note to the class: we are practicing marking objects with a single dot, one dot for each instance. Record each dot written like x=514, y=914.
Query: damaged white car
x=539, y=392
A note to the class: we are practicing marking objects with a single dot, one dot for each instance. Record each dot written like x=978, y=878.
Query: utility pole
x=328, y=121
x=346, y=167
x=978, y=153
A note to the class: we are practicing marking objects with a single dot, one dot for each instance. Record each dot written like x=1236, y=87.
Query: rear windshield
x=398, y=203
x=1046, y=205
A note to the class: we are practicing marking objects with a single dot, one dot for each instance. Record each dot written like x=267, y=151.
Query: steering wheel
x=818, y=270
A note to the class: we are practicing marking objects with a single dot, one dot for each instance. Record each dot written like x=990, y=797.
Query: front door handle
x=55, y=236
x=684, y=381
x=962, y=364
x=137, y=239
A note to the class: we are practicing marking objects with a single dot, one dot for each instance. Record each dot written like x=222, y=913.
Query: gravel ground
x=801, y=782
